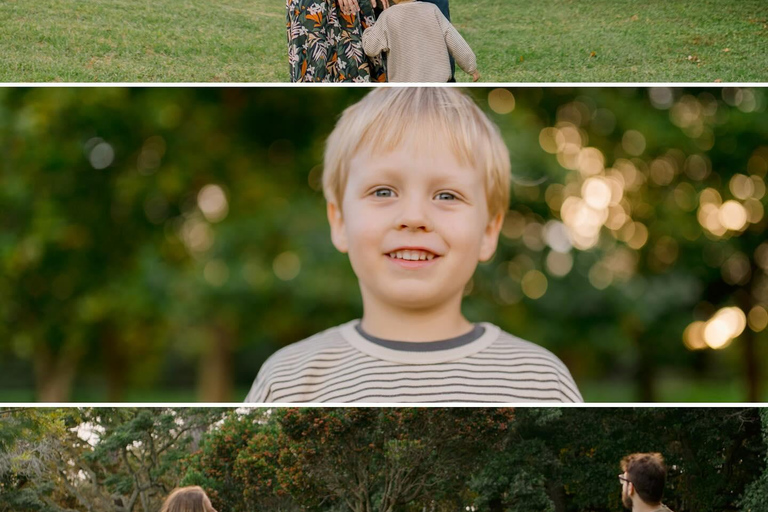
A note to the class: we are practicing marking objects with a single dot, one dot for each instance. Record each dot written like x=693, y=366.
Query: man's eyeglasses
x=622, y=479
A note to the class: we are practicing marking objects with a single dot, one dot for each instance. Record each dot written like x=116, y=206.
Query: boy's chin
x=417, y=299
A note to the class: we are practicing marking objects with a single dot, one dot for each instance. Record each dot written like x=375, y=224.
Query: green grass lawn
x=515, y=40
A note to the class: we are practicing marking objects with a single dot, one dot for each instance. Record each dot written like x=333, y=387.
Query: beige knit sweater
x=417, y=39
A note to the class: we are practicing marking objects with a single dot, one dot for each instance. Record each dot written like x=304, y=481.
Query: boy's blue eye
x=383, y=192
x=445, y=196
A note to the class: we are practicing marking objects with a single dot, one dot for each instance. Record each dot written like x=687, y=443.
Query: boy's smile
x=412, y=257
x=415, y=223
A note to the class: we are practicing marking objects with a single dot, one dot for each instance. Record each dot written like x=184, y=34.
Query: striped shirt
x=417, y=39
x=340, y=365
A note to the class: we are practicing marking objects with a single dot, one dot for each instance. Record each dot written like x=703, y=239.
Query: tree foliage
x=98, y=459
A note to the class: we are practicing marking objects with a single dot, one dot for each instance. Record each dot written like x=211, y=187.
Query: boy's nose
x=414, y=217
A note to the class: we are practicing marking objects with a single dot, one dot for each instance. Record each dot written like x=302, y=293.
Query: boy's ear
x=338, y=233
x=491, y=237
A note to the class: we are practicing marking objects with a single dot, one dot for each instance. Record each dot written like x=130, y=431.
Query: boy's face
x=415, y=223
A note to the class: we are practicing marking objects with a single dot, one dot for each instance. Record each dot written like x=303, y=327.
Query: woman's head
x=188, y=499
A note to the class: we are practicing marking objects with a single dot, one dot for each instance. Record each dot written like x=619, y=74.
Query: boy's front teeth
x=412, y=255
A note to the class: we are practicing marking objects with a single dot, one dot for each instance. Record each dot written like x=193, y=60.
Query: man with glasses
x=642, y=482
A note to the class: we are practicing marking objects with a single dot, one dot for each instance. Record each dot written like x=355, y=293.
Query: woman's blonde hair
x=433, y=117
x=187, y=499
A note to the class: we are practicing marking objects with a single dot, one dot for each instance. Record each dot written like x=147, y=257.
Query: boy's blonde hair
x=388, y=117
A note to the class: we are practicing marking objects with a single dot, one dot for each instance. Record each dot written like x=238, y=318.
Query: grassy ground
x=515, y=40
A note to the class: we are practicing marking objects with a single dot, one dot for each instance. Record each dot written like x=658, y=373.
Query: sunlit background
x=158, y=244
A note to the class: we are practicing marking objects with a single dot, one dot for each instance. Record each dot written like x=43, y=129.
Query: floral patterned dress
x=325, y=45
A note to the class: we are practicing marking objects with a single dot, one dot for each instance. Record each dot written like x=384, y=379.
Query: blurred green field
x=515, y=41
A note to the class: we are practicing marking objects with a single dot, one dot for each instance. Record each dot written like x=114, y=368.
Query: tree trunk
x=215, y=383
x=556, y=493
x=114, y=363
x=645, y=369
x=55, y=373
x=751, y=365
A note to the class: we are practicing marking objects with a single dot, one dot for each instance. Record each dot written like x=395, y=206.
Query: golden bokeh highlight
x=736, y=270
x=286, y=265
x=514, y=225
x=741, y=186
x=662, y=171
x=693, y=336
x=559, y=264
x=596, y=192
x=697, y=167
x=757, y=318
x=196, y=234
x=755, y=210
x=717, y=332
x=591, y=161
x=212, y=201
x=732, y=215
x=639, y=236
x=548, y=140
x=600, y=276
x=633, y=142
x=710, y=196
x=501, y=101
x=534, y=284
x=758, y=184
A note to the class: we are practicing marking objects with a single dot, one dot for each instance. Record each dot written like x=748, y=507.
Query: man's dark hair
x=647, y=473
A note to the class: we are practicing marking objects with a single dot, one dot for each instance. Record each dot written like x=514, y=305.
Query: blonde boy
x=417, y=185
x=419, y=41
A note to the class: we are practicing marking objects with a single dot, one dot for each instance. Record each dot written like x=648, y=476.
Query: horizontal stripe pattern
x=327, y=367
x=417, y=39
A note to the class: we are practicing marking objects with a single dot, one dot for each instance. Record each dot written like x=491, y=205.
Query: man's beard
x=626, y=501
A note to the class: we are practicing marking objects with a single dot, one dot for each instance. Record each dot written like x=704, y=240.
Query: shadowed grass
x=515, y=41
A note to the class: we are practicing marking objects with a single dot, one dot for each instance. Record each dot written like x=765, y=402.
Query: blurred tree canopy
x=332, y=459
x=163, y=242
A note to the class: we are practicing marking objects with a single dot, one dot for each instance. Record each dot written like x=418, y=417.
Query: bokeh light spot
x=733, y=215
x=212, y=201
x=534, y=284
x=693, y=336
x=741, y=186
x=102, y=155
x=600, y=276
x=661, y=98
x=286, y=265
x=639, y=236
x=559, y=263
x=758, y=318
x=726, y=325
x=633, y=142
x=501, y=101
x=596, y=193
x=697, y=167
x=556, y=236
